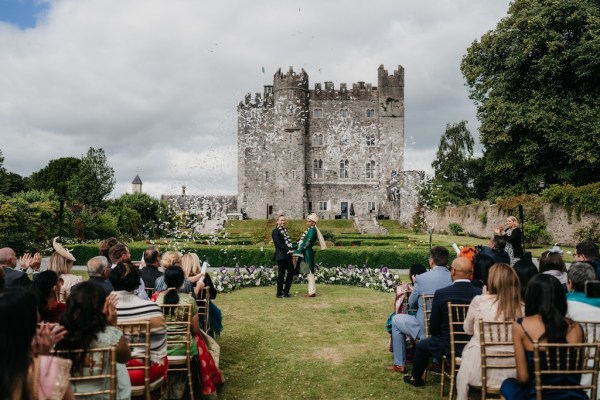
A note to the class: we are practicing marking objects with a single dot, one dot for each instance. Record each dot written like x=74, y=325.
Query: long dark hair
x=83, y=319
x=42, y=285
x=18, y=311
x=546, y=296
x=174, y=277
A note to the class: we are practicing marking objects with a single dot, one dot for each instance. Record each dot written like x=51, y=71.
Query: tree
x=55, y=176
x=536, y=82
x=93, y=181
x=454, y=174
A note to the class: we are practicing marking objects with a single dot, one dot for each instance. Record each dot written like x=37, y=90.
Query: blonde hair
x=514, y=219
x=503, y=282
x=60, y=264
x=170, y=258
x=190, y=264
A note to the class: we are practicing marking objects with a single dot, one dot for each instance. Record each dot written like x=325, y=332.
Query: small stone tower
x=136, y=184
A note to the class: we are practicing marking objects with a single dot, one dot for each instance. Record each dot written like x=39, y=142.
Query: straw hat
x=61, y=250
x=313, y=217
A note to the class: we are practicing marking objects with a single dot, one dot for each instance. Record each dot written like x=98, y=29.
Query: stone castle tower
x=325, y=150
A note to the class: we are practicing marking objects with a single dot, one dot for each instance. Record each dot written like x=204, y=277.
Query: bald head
x=97, y=265
x=461, y=268
x=8, y=258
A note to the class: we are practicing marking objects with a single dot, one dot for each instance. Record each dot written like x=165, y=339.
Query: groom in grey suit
x=414, y=326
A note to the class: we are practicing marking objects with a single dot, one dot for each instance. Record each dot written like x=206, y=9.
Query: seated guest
x=551, y=263
x=25, y=346
x=546, y=322
x=481, y=270
x=169, y=259
x=502, y=302
x=414, y=326
x=119, y=253
x=90, y=321
x=105, y=245
x=210, y=376
x=99, y=270
x=46, y=286
x=125, y=278
x=588, y=251
x=525, y=269
x=12, y=277
x=580, y=307
x=495, y=251
x=150, y=272
x=190, y=264
x=61, y=262
x=438, y=344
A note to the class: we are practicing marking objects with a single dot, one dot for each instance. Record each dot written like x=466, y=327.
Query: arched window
x=318, y=139
x=344, y=174
x=344, y=113
x=290, y=108
x=318, y=169
x=370, y=113
x=370, y=169
x=371, y=139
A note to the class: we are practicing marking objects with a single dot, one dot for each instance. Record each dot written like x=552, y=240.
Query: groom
x=283, y=256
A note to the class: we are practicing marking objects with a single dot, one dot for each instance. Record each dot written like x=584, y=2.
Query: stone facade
x=324, y=150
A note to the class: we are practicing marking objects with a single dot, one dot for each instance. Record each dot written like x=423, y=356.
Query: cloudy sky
x=156, y=83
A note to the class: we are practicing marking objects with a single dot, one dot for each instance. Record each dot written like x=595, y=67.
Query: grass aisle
x=333, y=346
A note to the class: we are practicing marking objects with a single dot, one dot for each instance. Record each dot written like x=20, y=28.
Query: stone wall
x=470, y=219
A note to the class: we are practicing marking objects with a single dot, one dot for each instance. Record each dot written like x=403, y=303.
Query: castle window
x=317, y=113
x=371, y=206
x=318, y=169
x=344, y=113
x=344, y=169
x=293, y=174
x=318, y=139
x=370, y=169
x=370, y=113
x=290, y=93
x=266, y=176
x=290, y=154
x=323, y=205
x=290, y=108
x=310, y=206
x=371, y=139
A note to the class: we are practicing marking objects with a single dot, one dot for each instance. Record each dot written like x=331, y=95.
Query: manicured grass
x=334, y=346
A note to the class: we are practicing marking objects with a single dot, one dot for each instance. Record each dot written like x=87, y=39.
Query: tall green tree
x=454, y=172
x=93, y=181
x=536, y=81
x=55, y=176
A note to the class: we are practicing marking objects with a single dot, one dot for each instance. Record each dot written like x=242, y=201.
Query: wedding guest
x=119, y=253
x=588, y=251
x=525, y=269
x=105, y=245
x=46, y=286
x=502, y=302
x=61, y=262
x=12, y=277
x=580, y=307
x=151, y=270
x=168, y=260
x=98, y=270
x=513, y=236
x=551, y=263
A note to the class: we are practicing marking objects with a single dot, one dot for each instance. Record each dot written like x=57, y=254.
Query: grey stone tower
x=136, y=184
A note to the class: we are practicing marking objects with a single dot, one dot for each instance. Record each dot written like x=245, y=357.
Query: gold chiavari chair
x=179, y=334
x=457, y=313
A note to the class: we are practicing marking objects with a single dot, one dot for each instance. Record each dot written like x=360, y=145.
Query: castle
x=335, y=152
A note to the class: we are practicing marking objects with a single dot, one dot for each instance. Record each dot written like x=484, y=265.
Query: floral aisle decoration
x=383, y=279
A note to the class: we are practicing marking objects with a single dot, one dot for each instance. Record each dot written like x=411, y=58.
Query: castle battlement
x=359, y=91
x=387, y=80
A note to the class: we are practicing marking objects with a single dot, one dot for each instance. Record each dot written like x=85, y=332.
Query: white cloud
x=156, y=83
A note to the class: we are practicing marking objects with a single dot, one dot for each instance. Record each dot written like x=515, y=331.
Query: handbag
x=51, y=377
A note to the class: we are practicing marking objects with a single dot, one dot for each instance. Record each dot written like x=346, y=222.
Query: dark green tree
x=55, y=176
x=93, y=181
x=536, y=81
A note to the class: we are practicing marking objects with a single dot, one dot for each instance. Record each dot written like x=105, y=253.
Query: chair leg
x=451, y=377
x=190, y=378
x=443, y=380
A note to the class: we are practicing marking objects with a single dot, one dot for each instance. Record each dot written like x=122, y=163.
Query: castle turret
x=391, y=115
x=136, y=184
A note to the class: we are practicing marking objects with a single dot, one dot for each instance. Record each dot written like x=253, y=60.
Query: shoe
x=280, y=296
x=287, y=295
x=310, y=295
x=397, y=368
x=412, y=381
x=435, y=367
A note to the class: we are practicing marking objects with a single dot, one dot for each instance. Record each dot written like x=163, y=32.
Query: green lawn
x=334, y=346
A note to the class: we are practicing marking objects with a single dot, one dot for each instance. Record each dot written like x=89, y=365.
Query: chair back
x=99, y=372
x=559, y=366
x=203, y=303
x=138, y=335
x=497, y=351
x=427, y=300
x=149, y=291
x=457, y=313
x=179, y=324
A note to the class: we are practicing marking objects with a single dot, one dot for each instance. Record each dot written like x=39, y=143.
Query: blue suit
x=404, y=324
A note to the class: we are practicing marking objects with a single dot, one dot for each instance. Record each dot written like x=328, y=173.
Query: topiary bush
x=455, y=229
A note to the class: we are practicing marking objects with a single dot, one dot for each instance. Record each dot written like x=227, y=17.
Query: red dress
x=53, y=311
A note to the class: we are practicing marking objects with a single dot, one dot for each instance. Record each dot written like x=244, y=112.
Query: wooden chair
x=457, y=313
x=99, y=371
x=560, y=359
x=497, y=352
x=179, y=334
x=427, y=299
x=149, y=291
x=138, y=336
x=203, y=303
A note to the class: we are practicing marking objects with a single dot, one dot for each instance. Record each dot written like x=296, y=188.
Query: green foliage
x=455, y=228
x=579, y=199
x=535, y=232
x=483, y=218
x=536, y=81
x=93, y=181
x=25, y=226
x=418, y=221
x=55, y=176
x=588, y=232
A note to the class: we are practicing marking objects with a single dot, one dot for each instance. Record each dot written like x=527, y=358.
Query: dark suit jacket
x=458, y=292
x=105, y=283
x=149, y=275
x=281, y=248
x=14, y=278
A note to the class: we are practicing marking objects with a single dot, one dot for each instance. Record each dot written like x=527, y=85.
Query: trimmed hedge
x=225, y=256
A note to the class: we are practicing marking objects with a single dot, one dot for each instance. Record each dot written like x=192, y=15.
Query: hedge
x=225, y=256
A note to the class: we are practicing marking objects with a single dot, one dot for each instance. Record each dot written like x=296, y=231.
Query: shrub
x=455, y=229
x=591, y=232
x=579, y=199
x=483, y=218
x=535, y=232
